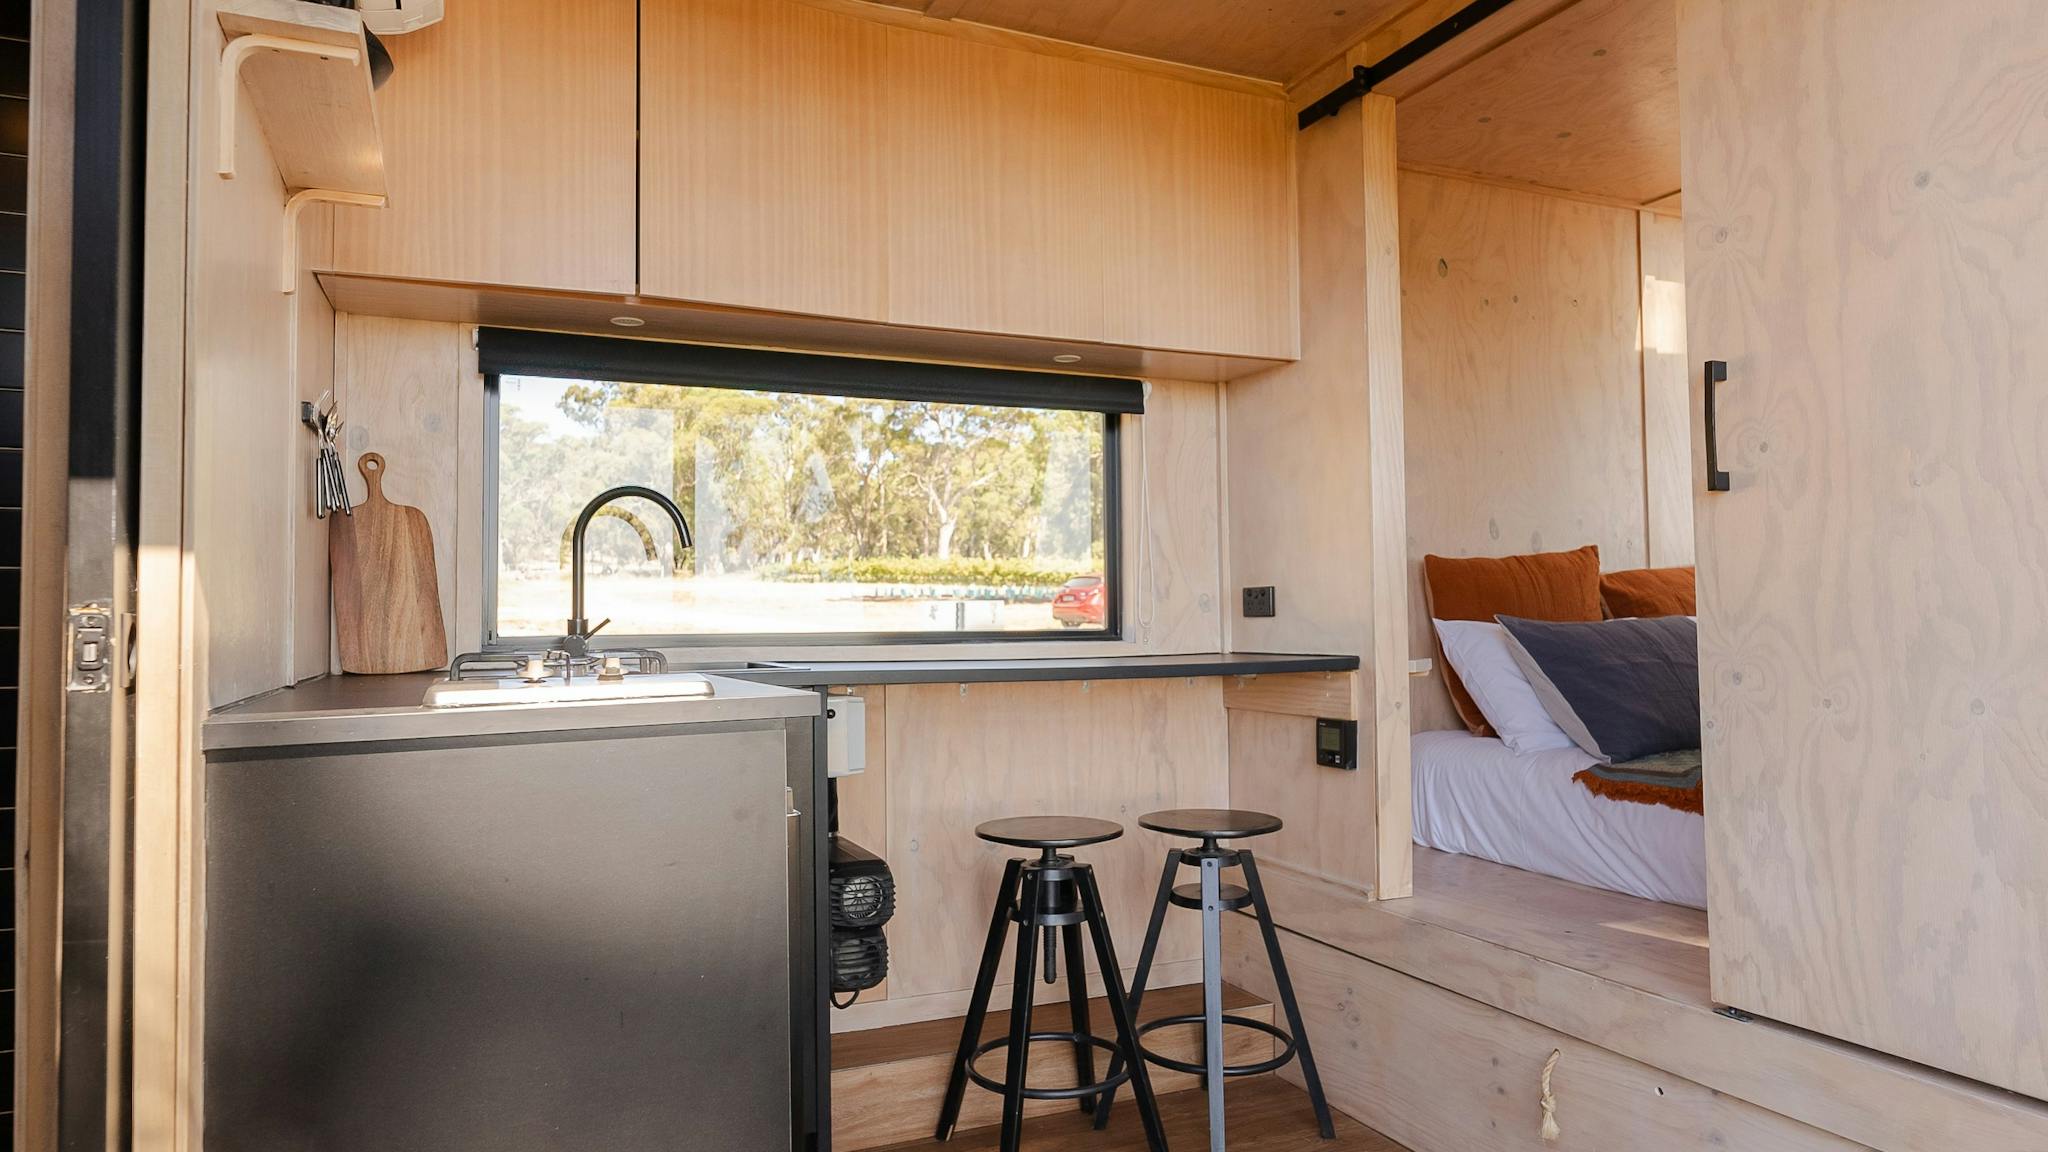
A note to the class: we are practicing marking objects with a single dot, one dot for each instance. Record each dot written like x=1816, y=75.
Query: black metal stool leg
x=1212, y=991
x=1144, y=972
x=1077, y=1000
x=1264, y=915
x=977, y=1006
x=1120, y=1012
x=1015, y=1074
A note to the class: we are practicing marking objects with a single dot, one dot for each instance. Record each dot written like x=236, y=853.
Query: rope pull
x=1550, y=1131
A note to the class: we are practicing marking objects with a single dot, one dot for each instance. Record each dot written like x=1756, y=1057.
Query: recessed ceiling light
x=628, y=321
x=1066, y=358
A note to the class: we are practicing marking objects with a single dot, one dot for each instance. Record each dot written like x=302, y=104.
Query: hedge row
x=931, y=570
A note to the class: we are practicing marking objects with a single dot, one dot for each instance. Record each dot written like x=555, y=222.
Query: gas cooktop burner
x=540, y=665
x=477, y=678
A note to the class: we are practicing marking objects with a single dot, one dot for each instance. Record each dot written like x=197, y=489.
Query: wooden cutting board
x=387, y=599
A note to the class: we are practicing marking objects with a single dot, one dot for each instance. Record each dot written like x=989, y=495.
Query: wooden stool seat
x=1044, y=832
x=1211, y=823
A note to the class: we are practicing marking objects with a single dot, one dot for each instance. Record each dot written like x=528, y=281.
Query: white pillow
x=1478, y=651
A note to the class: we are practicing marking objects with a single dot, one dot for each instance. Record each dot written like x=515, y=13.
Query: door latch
x=91, y=627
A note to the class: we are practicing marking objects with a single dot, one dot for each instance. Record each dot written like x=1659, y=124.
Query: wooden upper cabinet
x=1866, y=250
x=509, y=142
x=806, y=160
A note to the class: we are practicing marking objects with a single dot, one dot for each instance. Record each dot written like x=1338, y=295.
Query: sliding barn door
x=1866, y=216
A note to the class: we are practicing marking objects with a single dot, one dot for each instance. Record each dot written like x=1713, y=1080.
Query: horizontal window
x=813, y=516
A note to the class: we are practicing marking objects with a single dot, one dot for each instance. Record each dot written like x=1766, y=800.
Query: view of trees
x=804, y=484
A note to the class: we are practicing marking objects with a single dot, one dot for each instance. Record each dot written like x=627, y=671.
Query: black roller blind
x=522, y=352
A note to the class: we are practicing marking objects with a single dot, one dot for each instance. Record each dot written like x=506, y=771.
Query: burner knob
x=536, y=668
x=612, y=671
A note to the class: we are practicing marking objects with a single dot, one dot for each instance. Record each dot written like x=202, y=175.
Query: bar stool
x=1213, y=897
x=1049, y=894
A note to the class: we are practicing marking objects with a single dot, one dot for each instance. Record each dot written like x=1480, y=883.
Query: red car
x=1081, y=601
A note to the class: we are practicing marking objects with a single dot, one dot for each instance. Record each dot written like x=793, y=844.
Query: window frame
x=1112, y=631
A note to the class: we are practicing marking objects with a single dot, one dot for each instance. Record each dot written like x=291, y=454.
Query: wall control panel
x=1337, y=743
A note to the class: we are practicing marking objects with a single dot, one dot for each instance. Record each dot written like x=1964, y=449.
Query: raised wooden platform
x=1623, y=977
x=888, y=1083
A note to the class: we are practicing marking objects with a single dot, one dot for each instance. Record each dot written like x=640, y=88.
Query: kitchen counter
x=359, y=709
x=830, y=673
x=353, y=709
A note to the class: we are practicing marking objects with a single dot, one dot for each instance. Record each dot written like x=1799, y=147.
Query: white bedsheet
x=1475, y=796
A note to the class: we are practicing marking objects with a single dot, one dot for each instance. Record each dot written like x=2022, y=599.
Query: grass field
x=638, y=604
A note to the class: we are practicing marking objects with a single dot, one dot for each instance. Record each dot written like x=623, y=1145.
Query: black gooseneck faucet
x=576, y=642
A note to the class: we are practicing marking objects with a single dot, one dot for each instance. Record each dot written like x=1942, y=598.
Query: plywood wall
x=1669, y=473
x=956, y=755
x=1312, y=450
x=412, y=393
x=1537, y=417
x=253, y=353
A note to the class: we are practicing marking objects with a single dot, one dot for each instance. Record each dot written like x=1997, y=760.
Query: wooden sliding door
x=1866, y=217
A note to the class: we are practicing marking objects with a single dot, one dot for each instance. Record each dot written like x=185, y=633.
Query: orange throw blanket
x=1671, y=779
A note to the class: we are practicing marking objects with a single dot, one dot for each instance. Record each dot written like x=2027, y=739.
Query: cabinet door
x=1867, y=249
x=509, y=142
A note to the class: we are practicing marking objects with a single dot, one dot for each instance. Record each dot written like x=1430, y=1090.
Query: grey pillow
x=1621, y=689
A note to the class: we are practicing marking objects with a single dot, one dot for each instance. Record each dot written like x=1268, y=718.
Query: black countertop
x=834, y=673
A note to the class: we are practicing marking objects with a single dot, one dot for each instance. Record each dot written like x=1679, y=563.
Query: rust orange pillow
x=1561, y=586
x=1649, y=592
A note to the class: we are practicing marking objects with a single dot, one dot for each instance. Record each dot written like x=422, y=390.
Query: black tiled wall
x=14, y=25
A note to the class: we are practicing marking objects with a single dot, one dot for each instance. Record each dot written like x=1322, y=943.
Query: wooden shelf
x=306, y=70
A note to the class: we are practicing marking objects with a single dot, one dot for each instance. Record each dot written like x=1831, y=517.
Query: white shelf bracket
x=230, y=80
x=296, y=205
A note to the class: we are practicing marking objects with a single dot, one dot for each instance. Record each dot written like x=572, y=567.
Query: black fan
x=863, y=891
x=863, y=897
x=860, y=960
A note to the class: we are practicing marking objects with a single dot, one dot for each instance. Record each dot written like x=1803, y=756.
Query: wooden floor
x=1264, y=1114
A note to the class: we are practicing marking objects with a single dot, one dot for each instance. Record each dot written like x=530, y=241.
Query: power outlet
x=1259, y=601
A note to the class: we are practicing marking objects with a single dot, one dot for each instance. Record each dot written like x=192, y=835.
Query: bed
x=1476, y=797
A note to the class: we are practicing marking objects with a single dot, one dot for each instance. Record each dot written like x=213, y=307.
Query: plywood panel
x=1318, y=443
x=1441, y=1073
x=803, y=159
x=962, y=754
x=241, y=416
x=1668, y=475
x=1865, y=247
x=1629, y=975
x=509, y=147
x=1173, y=551
x=1312, y=694
x=1523, y=384
x=313, y=378
x=1587, y=101
x=1328, y=812
x=401, y=384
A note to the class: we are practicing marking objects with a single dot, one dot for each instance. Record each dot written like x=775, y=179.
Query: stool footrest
x=1073, y=1093
x=1286, y=1052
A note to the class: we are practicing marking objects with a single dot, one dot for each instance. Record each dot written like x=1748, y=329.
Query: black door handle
x=1717, y=480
